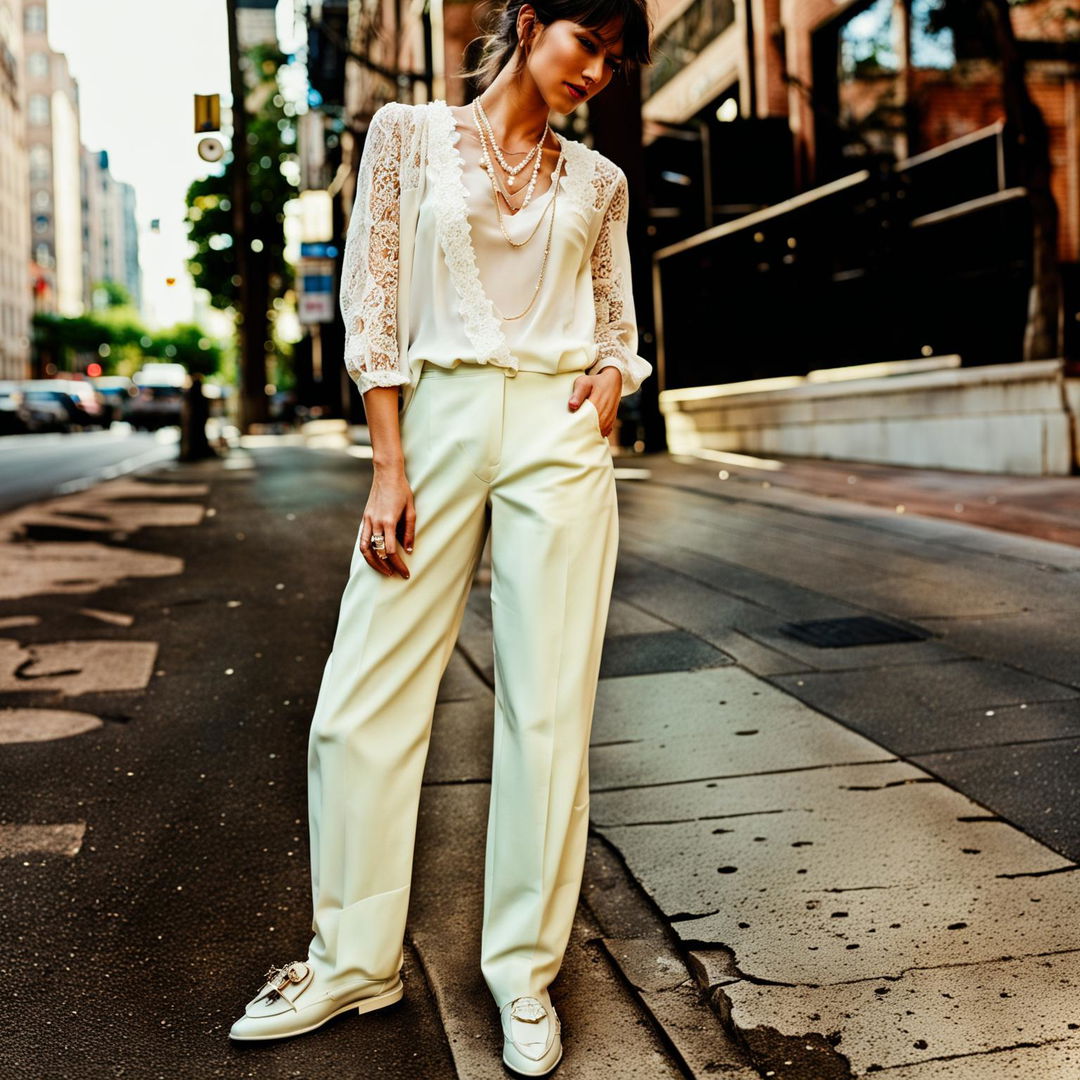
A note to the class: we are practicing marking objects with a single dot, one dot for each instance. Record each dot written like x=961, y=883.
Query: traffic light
x=207, y=113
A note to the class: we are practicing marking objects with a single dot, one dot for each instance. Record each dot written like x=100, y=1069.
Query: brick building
x=835, y=180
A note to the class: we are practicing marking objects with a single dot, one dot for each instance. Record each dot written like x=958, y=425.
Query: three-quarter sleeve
x=616, y=325
x=369, y=275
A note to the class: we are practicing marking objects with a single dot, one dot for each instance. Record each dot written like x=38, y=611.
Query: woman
x=486, y=284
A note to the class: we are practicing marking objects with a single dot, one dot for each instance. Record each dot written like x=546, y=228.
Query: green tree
x=209, y=217
x=122, y=344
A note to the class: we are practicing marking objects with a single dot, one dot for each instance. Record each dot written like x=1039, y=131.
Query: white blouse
x=428, y=275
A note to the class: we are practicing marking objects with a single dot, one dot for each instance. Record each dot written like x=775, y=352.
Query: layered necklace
x=487, y=137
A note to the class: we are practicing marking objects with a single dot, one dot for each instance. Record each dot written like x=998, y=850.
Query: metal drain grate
x=842, y=633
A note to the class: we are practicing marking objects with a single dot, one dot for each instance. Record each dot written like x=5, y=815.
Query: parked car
x=116, y=392
x=12, y=413
x=45, y=408
x=89, y=406
x=159, y=394
x=83, y=405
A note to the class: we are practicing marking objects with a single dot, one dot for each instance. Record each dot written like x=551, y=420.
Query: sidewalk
x=841, y=831
x=1045, y=507
x=859, y=856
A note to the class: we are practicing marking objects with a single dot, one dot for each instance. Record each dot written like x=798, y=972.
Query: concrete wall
x=1009, y=418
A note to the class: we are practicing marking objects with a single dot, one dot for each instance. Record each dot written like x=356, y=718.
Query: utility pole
x=251, y=323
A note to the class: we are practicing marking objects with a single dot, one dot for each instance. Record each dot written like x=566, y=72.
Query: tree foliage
x=117, y=340
x=210, y=220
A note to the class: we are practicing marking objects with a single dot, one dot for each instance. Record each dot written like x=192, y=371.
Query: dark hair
x=501, y=41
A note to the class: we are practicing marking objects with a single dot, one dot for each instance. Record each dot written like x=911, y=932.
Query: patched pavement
x=807, y=860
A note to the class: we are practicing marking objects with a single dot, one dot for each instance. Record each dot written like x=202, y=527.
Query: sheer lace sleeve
x=369, y=275
x=616, y=327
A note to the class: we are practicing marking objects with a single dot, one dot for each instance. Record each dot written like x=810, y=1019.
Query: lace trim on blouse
x=369, y=274
x=455, y=236
x=392, y=160
x=608, y=281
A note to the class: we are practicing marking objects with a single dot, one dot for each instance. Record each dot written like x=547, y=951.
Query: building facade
x=55, y=207
x=850, y=160
x=110, y=241
x=15, y=295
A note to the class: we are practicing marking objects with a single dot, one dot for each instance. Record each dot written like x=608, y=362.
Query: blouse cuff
x=634, y=371
x=366, y=380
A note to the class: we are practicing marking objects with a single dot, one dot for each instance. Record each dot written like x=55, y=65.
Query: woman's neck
x=515, y=109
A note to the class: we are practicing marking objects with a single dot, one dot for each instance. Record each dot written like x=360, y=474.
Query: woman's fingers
x=410, y=524
x=389, y=525
x=398, y=563
x=394, y=562
x=366, y=549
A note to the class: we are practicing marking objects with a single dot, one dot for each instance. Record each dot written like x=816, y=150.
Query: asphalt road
x=34, y=467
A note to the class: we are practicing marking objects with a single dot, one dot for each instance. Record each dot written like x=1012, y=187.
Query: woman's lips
x=575, y=93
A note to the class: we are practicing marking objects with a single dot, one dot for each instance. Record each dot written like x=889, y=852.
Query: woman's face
x=570, y=63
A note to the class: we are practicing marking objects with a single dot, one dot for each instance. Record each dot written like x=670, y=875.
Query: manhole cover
x=841, y=633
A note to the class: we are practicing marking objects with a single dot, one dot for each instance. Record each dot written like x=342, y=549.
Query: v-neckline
x=483, y=327
x=549, y=190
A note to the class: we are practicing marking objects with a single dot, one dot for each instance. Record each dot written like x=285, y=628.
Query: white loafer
x=289, y=1003
x=532, y=1041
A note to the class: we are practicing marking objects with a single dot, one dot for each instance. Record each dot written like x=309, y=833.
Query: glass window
x=932, y=41
x=42, y=200
x=869, y=83
x=38, y=65
x=38, y=111
x=867, y=43
x=35, y=19
x=41, y=223
x=40, y=162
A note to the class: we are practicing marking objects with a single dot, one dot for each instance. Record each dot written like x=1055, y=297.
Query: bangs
x=600, y=15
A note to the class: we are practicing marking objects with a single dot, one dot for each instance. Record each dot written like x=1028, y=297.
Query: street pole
x=251, y=325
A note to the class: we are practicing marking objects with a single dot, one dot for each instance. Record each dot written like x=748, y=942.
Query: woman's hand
x=604, y=389
x=389, y=510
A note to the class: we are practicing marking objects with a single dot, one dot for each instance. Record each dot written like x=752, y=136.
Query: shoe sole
x=364, y=1005
x=517, y=1072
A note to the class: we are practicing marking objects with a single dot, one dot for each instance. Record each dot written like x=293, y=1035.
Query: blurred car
x=12, y=413
x=159, y=396
x=45, y=408
x=116, y=392
x=89, y=408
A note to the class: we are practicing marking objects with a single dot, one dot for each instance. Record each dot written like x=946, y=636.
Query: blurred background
x=851, y=221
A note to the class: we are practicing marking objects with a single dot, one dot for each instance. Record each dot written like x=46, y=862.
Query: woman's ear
x=526, y=27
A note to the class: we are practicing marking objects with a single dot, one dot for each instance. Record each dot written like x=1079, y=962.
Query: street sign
x=316, y=307
x=318, y=251
x=315, y=280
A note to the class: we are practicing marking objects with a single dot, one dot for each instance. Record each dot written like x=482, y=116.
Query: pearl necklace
x=485, y=161
x=495, y=190
x=512, y=171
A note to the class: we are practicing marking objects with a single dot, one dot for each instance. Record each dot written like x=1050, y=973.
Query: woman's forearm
x=381, y=407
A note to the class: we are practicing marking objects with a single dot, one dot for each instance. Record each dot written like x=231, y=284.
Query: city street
x=807, y=860
x=41, y=465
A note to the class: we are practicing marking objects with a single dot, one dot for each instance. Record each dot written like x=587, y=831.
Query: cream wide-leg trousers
x=483, y=449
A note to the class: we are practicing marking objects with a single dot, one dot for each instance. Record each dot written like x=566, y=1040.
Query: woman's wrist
x=388, y=463
x=612, y=369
